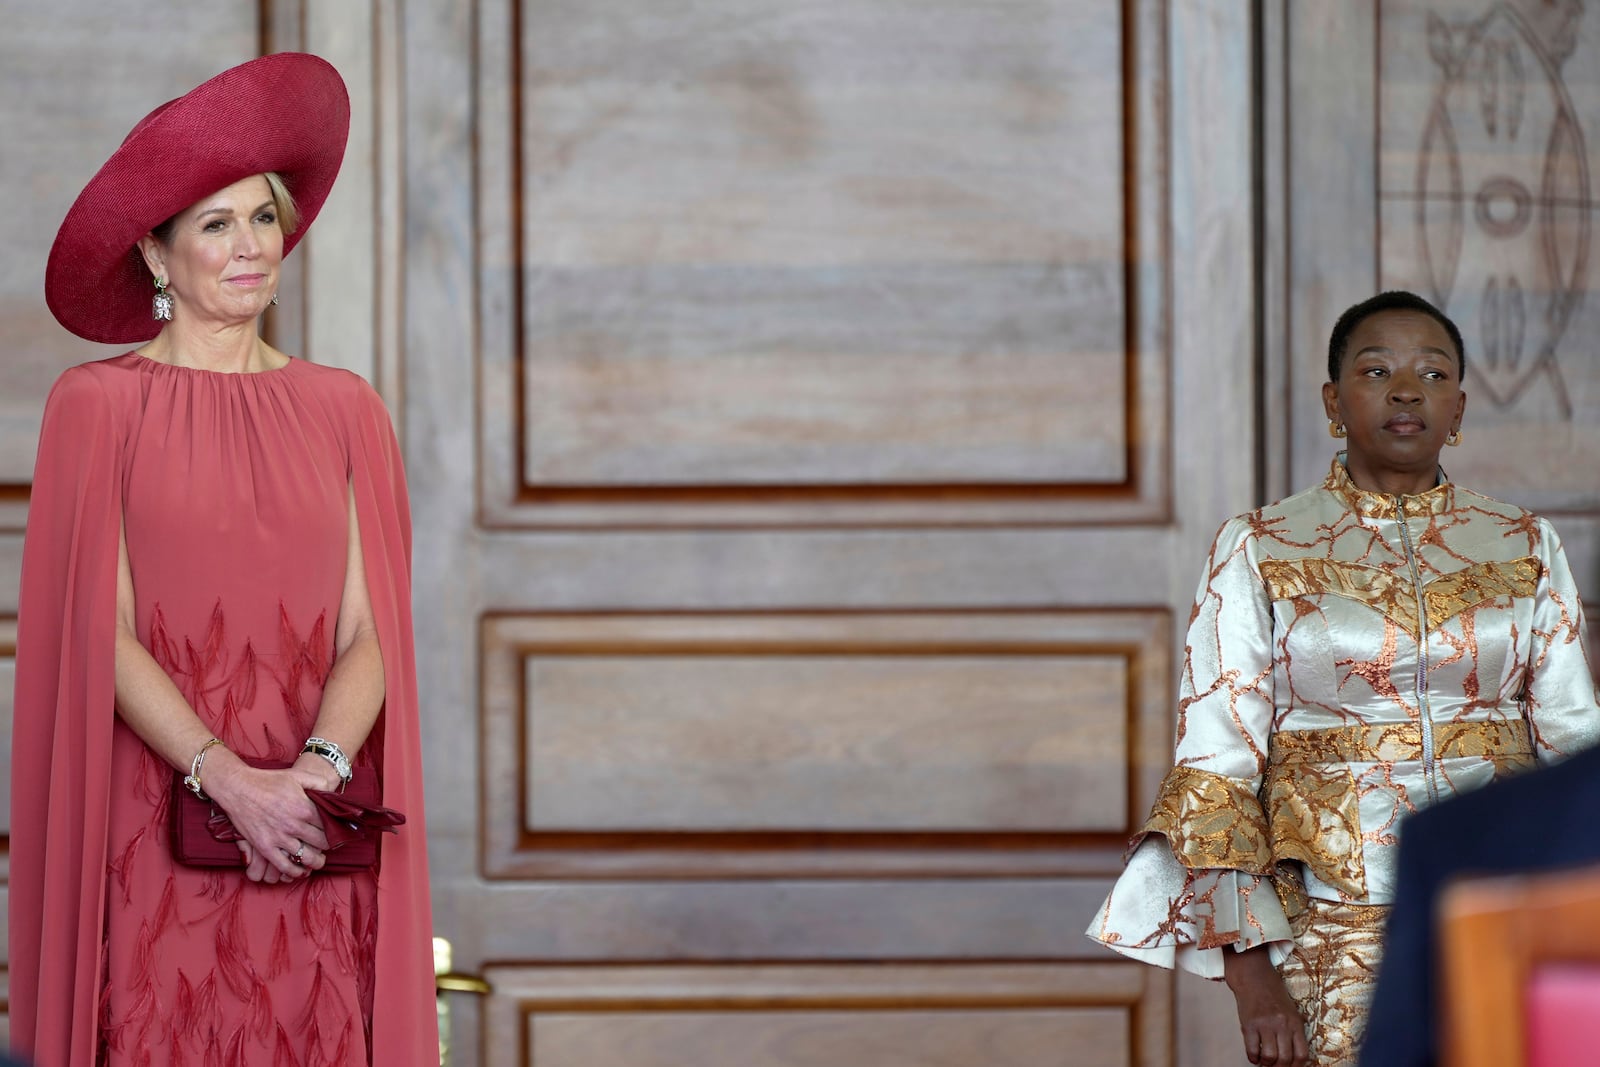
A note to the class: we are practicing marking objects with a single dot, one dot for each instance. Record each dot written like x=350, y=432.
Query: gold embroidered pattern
x=1440, y=500
x=1451, y=594
x=1395, y=742
x=1210, y=821
x=1316, y=819
x=1331, y=974
x=1387, y=592
x=1390, y=592
x=1313, y=804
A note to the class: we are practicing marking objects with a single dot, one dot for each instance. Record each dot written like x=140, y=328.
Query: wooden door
x=817, y=417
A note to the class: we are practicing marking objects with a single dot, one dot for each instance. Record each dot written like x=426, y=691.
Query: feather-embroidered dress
x=1351, y=658
x=232, y=492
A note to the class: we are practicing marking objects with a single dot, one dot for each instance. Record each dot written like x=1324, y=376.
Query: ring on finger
x=295, y=856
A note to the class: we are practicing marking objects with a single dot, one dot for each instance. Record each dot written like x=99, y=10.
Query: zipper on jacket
x=1424, y=710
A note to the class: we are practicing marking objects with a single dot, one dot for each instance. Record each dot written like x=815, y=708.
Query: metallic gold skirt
x=1331, y=974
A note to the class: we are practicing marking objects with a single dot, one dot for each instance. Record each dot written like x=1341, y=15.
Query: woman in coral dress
x=217, y=567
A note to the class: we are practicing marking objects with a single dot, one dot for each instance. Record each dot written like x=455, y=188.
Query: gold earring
x=1336, y=428
x=1454, y=438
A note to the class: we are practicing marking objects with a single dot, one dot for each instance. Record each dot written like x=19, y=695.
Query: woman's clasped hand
x=282, y=829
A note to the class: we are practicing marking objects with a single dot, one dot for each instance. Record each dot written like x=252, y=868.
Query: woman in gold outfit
x=1356, y=652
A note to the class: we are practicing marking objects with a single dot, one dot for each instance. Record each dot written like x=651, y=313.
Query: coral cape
x=64, y=714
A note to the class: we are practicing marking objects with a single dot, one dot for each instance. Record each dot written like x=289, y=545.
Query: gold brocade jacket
x=1351, y=658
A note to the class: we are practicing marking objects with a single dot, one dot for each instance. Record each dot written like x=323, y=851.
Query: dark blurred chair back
x=1521, y=970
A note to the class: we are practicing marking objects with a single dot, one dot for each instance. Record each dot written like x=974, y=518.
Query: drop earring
x=274, y=300
x=1335, y=428
x=161, y=304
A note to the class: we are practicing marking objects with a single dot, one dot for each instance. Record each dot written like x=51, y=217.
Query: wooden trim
x=525, y=993
x=511, y=851
x=509, y=501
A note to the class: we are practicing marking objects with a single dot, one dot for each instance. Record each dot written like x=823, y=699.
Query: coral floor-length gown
x=233, y=493
x=236, y=521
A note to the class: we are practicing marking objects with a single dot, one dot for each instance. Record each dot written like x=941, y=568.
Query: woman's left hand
x=310, y=771
x=1273, y=1030
x=271, y=812
x=314, y=772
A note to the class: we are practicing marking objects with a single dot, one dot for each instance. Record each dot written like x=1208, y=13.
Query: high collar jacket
x=1351, y=658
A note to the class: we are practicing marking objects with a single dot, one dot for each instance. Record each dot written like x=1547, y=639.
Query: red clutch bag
x=354, y=822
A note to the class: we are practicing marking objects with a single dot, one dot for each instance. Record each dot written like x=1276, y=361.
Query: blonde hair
x=288, y=210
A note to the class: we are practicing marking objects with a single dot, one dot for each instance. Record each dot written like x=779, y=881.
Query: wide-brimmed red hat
x=287, y=112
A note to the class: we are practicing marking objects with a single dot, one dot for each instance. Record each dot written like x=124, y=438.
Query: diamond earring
x=161, y=304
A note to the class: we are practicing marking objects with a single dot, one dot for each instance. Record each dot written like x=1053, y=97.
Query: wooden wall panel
x=950, y=741
x=877, y=268
x=1466, y=133
x=350, y=266
x=827, y=1038
x=1018, y=1015
x=801, y=919
x=725, y=743
x=1487, y=120
x=1329, y=234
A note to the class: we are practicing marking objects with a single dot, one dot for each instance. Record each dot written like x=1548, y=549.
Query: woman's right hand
x=272, y=812
x=1274, y=1033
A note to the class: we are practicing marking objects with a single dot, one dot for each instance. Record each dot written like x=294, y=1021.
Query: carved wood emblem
x=1503, y=173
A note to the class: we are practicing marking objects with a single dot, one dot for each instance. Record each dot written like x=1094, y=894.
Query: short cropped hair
x=1393, y=300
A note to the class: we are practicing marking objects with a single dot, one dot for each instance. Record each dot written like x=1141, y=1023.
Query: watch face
x=330, y=752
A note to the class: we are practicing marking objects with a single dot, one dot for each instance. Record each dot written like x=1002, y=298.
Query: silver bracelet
x=331, y=752
x=192, y=780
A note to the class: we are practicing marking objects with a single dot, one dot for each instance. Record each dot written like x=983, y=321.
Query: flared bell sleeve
x=1198, y=877
x=405, y=1030
x=1560, y=701
x=63, y=714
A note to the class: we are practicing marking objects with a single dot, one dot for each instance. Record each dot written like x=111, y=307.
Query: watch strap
x=331, y=752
